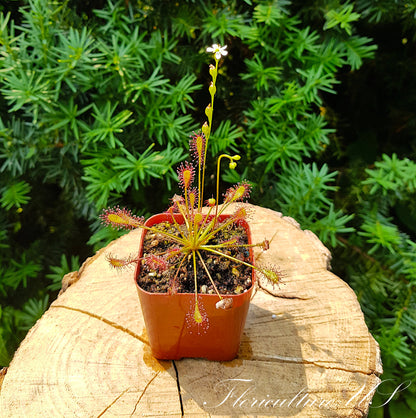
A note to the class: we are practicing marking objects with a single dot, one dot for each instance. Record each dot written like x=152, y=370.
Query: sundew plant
x=201, y=218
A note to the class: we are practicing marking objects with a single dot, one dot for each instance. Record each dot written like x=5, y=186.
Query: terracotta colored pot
x=172, y=331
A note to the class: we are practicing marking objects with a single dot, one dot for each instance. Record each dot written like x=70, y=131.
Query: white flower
x=218, y=50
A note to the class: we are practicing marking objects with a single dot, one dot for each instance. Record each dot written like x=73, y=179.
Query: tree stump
x=305, y=352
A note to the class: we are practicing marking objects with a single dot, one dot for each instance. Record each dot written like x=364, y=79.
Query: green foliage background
x=98, y=99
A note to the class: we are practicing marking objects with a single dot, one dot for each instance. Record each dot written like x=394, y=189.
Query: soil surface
x=230, y=277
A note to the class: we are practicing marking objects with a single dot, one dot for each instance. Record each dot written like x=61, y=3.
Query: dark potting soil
x=230, y=277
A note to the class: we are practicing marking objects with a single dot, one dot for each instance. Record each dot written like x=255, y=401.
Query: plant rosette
x=195, y=270
x=171, y=327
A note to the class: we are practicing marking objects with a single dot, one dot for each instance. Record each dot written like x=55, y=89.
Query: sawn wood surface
x=305, y=352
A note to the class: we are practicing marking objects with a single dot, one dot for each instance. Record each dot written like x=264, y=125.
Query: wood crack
x=105, y=320
x=317, y=363
x=112, y=403
x=144, y=391
x=179, y=387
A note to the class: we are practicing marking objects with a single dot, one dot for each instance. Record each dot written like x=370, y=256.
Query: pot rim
x=205, y=295
x=223, y=216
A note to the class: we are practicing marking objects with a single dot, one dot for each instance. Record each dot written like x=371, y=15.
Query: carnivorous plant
x=194, y=238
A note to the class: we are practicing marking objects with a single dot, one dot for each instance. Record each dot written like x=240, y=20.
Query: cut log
x=305, y=352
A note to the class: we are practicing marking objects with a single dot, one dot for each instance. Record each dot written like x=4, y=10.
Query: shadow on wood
x=306, y=350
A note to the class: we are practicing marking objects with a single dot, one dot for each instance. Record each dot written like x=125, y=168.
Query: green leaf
x=15, y=194
x=270, y=14
x=392, y=175
x=104, y=236
x=262, y=76
x=411, y=402
x=28, y=88
x=225, y=137
x=171, y=128
x=304, y=43
x=303, y=190
x=77, y=57
x=220, y=23
x=58, y=272
x=394, y=346
x=107, y=125
x=398, y=409
x=113, y=15
x=277, y=150
x=152, y=85
x=19, y=272
x=331, y=225
x=316, y=81
x=376, y=410
x=102, y=182
x=181, y=94
x=67, y=120
x=342, y=17
x=32, y=310
x=124, y=57
x=380, y=232
x=132, y=170
x=184, y=23
x=161, y=47
x=358, y=48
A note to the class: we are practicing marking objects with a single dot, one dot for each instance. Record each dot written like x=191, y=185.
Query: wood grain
x=306, y=351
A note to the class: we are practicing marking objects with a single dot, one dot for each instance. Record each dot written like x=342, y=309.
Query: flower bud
x=208, y=111
x=205, y=129
x=212, y=71
x=212, y=89
x=233, y=165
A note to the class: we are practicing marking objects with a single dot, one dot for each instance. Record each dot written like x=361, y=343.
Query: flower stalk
x=197, y=237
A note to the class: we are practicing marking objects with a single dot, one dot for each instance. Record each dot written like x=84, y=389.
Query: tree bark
x=305, y=352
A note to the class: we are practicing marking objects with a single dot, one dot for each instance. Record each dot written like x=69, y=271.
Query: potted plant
x=195, y=268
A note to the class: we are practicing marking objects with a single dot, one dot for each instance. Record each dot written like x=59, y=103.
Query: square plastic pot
x=172, y=331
